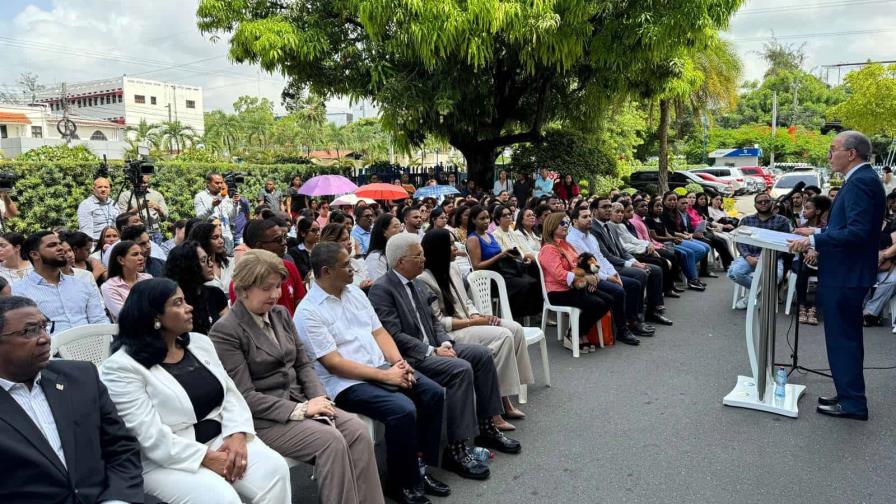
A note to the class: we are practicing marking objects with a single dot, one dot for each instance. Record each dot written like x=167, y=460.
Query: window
x=152, y=100
x=139, y=99
x=37, y=132
x=191, y=104
x=119, y=98
x=3, y=131
x=98, y=135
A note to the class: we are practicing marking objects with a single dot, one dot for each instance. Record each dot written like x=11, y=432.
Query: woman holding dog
x=566, y=283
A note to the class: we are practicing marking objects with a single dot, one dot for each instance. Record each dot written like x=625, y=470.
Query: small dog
x=586, y=265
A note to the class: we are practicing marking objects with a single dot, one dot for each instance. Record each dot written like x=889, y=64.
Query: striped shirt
x=71, y=303
x=94, y=215
x=35, y=404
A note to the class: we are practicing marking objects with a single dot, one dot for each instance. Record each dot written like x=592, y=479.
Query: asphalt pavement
x=646, y=424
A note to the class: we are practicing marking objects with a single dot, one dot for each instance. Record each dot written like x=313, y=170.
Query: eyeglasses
x=276, y=239
x=33, y=331
x=565, y=223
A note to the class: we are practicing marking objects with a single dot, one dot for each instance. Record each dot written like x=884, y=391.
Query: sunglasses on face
x=564, y=223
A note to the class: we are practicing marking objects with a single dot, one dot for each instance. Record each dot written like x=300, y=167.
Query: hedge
x=48, y=194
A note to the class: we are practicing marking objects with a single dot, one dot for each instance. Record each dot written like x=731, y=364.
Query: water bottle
x=421, y=465
x=780, y=382
x=481, y=454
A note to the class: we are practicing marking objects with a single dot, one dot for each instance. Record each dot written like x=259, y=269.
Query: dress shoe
x=677, y=289
x=628, y=339
x=498, y=441
x=641, y=327
x=836, y=410
x=709, y=274
x=659, y=318
x=432, y=486
x=869, y=320
x=696, y=285
x=412, y=495
x=466, y=466
x=828, y=401
x=672, y=294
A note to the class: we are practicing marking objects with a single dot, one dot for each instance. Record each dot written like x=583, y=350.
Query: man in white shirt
x=361, y=367
x=413, y=220
x=98, y=210
x=209, y=203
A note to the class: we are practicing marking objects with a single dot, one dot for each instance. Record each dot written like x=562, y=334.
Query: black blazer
x=392, y=304
x=610, y=246
x=102, y=458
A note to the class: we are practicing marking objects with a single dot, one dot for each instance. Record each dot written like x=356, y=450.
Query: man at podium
x=847, y=268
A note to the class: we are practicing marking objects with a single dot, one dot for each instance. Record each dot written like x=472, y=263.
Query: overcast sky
x=78, y=40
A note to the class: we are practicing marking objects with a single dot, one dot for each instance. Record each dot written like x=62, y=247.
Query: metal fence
x=417, y=175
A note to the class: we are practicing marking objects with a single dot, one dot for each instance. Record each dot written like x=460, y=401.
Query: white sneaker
x=894, y=329
x=741, y=304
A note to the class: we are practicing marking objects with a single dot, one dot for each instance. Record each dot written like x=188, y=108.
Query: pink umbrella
x=327, y=185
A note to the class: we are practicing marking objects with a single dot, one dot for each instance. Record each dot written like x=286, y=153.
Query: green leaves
x=871, y=108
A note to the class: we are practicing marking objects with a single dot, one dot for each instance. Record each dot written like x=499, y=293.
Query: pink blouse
x=115, y=291
x=557, y=262
x=642, y=231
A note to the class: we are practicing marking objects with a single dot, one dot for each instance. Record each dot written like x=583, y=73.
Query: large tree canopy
x=872, y=106
x=481, y=74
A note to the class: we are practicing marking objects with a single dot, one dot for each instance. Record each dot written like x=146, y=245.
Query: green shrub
x=48, y=193
x=694, y=188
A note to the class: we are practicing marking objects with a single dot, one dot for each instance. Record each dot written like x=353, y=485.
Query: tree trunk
x=480, y=163
x=663, y=135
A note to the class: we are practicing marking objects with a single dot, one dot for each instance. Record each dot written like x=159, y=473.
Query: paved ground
x=646, y=424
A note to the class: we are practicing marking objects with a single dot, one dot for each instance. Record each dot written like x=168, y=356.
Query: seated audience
x=741, y=271
x=636, y=215
x=179, y=230
x=259, y=346
x=467, y=372
x=484, y=252
x=333, y=233
x=463, y=322
x=69, y=268
x=211, y=240
x=308, y=234
x=508, y=238
x=806, y=265
x=361, y=231
x=12, y=266
x=623, y=295
x=125, y=269
x=363, y=371
x=692, y=220
x=61, y=437
x=718, y=214
x=641, y=250
x=265, y=234
x=191, y=268
x=525, y=229
x=438, y=219
x=385, y=227
x=412, y=219
x=202, y=451
x=81, y=245
x=66, y=300
x=675, y=225
x=689, y=255
x=108, y=237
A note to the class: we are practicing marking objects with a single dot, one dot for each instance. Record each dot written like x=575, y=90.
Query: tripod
x=794, y=356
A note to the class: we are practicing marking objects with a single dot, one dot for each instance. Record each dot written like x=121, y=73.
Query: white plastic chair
x=573, y=313
x=739, y=292
x=791, y=290
x=480, y=293
x=84, y=343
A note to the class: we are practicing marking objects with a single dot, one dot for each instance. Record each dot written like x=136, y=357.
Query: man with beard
x=66, y=300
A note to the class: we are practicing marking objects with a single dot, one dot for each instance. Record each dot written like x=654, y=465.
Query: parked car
x=789, y=180
x=726, y=173
x=712, y=178
x=757, y=171
x=641, y=180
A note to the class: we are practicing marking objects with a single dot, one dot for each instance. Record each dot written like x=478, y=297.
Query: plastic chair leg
x=524, y=394
x=574, y=329
x=545, y=363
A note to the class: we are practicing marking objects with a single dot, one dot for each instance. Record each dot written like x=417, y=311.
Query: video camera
x=233, y=181
x=7, y=181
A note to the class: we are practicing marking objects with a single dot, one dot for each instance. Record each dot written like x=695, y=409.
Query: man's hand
x=615, y=279
x=811, y=257
x=216, y=201
x=804, y=231
x=698, y=236
x=650, y=249
x=445, y=352
x=396, y=376
x=236, y=198
x=799, y=245
x=641, y=265
x=752, y=260
x=320, y=405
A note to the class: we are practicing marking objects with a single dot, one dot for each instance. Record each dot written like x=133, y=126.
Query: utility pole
x=796, y=89
x=771, y=162
x=169, y=111
x=705, y=159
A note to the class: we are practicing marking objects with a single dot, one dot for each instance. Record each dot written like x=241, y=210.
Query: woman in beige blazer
x=465, y=324
x=260, y=349
x=195, y=430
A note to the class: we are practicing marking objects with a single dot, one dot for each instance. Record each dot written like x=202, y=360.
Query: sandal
x=804, y=315
x=812, y=316
x=584, y=346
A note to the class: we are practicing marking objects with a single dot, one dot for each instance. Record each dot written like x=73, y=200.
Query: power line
x=812, y=35
x=802, y=7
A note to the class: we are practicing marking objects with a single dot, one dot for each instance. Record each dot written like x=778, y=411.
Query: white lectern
x=758, y=391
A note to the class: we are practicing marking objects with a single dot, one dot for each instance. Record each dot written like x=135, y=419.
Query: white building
x=27, y=127
x=129, y=100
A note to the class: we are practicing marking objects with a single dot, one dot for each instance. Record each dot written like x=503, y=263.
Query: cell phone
x=514, y=252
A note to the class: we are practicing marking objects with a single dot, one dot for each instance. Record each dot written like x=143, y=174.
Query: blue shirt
x=543, y=187
x=71, y=303
x=362, y=237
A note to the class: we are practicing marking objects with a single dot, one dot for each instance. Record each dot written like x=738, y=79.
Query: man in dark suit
x=649, y=276
x=466, y=371
x=61, y=438
x=847, y=268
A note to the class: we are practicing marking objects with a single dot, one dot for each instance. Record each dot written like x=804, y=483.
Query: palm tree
x=145, y=132
x=175, y=136
x=223, y=134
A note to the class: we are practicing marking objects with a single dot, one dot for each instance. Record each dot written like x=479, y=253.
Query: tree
x=782, y=57
x=482, y=74
x=872, y=106
x=29, y=85
x=566, y=151
x=176, y=136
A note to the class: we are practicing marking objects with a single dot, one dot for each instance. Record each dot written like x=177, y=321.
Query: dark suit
x=102, y=457
x=847, y=268
x=612, y=249
x=471, y=374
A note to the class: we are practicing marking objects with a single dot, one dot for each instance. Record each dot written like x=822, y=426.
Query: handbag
x=508, y=267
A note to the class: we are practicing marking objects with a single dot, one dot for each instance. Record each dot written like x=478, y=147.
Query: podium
x=758, y=391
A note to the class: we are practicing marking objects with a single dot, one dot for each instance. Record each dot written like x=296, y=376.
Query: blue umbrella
x=435, y=191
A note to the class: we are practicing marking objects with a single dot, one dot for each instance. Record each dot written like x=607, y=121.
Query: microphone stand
x=794, y=356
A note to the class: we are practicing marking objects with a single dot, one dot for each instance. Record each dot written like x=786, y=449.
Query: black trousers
x=666, y=267
x=594, y=305
x=720, y=245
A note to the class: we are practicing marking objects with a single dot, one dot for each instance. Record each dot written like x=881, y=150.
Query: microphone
x=797, y=188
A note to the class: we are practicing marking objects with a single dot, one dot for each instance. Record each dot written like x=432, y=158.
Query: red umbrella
x=382, y=191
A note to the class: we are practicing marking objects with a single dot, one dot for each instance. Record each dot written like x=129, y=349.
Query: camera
x=233, y=181
x=7, y=181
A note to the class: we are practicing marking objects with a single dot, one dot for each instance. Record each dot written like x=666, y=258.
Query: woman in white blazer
x=195, y=430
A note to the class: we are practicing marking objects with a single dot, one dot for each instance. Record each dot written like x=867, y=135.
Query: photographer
x=98, y=210
x=211, y=203
x=133, y=201
x=7, y=208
